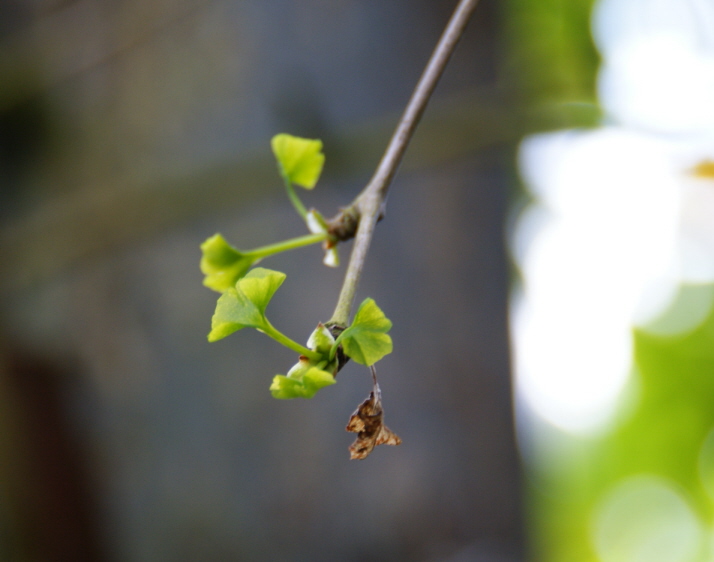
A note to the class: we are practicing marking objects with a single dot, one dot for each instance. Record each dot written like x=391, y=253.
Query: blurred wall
x=131, y=131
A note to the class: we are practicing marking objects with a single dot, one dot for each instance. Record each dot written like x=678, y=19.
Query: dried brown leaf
x=368, y=423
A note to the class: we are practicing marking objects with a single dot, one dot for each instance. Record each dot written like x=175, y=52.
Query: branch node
x=343, y=226
x=336, y=330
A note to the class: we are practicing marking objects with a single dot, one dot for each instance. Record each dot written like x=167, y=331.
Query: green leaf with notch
x=222, y=264
x=366, y=340
x=244, y=305
x=300, y=160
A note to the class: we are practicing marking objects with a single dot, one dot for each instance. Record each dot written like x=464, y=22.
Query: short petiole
x=269, y=330
x=333, y=349
x=299, y=207
x=286, y=245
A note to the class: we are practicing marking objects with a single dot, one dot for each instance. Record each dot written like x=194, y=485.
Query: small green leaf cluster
x=308, y=375
x=246, y=292
x=243, y=306
x=300, y=162
x=365, y=340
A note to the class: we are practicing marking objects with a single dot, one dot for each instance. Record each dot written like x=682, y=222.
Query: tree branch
x=361, y=216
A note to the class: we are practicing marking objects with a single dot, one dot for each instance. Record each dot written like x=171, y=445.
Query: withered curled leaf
x=368, y=423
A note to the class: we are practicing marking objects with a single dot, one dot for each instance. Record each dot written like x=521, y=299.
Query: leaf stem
x=338, y=340
x=369, y=204
x=299, y=207
x=286, y=245
x=269, y=330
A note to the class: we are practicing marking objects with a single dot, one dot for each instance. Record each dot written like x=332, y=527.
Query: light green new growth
x=246, y=292
x=244, y=306
x=301, y=382
x=308, y=376
x=366, y=340
x=245, y=296
x=300, y=162
x=223, y=265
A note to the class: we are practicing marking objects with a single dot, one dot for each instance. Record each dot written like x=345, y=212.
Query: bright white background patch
x=646, y=519
x=619, y=219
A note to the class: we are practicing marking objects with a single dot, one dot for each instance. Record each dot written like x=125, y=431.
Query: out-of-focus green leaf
x=550, y=58
x=300, y=159
x=662, y=432
x=316, y=222
x=222, y=264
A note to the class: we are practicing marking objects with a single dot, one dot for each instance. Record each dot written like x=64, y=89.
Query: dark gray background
x=131, y=131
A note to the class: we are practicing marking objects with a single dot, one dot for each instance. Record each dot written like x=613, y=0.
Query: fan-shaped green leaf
x=366, y=340
x=300, y=159
x=259, y=286
x=233, y=312
x=367, y=347
x=370, y=317
x=222, y=264
x=245, y=304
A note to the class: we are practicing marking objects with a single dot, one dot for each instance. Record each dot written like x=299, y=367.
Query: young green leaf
x=259, y=285
x=222, y=264
x=309, y=375
x=244, y=305
x=233, y=312
x=300, y=160
x=285, y=387
x=366, y=340
x=321, y=340
x=302, y=381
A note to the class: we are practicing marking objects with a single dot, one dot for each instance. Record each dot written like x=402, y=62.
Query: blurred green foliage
x=551, y=62
x=662, y=432
x=667, y=412
x=551, y=56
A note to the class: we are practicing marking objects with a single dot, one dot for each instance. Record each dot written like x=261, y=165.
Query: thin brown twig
x=361, y=216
